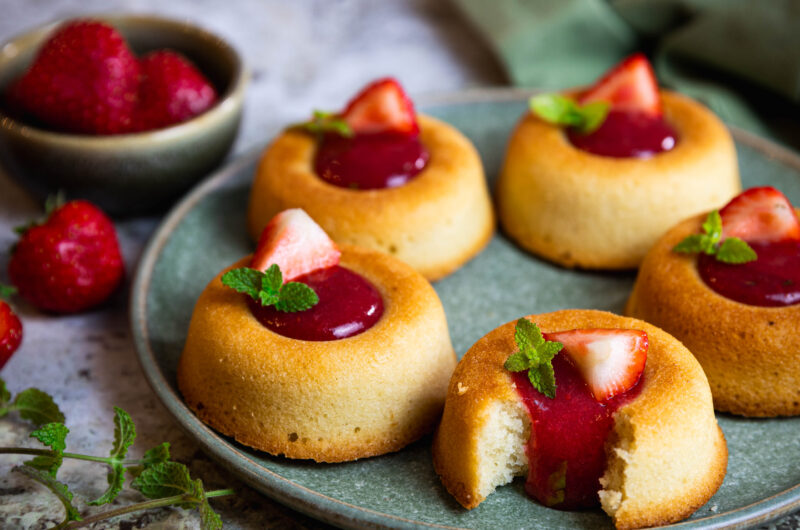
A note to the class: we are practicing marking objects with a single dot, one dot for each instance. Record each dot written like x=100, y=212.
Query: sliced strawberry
x=382, y=106
x=629, y=86
x=760, y=215
x=611, y=361
x=296, y=243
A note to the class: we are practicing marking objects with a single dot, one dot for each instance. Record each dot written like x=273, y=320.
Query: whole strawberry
x=172, y=90
x=83, y=80
x=69, y=263
x=10, y=327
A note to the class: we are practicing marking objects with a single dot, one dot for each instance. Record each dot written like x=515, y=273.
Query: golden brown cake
x=435, y=222
x=666, y=454
x=330, y=401
x=749, y=353
x=579, y=209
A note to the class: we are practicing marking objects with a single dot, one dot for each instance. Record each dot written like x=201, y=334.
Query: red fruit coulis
x=566, y=450
x=627, y=135
x=370, y=161
x=348, y=305
x=772, y=280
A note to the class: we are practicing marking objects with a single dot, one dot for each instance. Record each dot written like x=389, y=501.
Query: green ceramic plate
x=206, y=231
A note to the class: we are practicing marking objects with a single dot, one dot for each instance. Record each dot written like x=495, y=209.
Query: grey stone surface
x=303, y=55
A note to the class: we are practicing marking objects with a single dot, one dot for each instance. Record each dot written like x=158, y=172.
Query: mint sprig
x=730, y=250
x=31, y=404
x=325, y=122
x=535, y=354
x=561, y=110
x=268, y=288
x=163, y=481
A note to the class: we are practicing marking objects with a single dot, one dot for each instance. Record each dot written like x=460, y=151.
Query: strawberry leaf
x=7, y=291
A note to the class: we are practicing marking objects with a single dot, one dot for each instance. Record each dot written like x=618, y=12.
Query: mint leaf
x=243, y=280
x=543, y=379
x=517, y=362
x=209, y=520
x=325, y=122
x=53, y=435
x=268, y=289
x=58, y=488
x=731, y=250
x=272, y=280
x=693, y=244
x=5, y=397
x=535, y=355
x=50, y=464
x=37, y=407
x=165, y=480
x=6, y=291
x=736, y=251
x=561, y=110
x=156, y=455
x=124, y=435
x=296, y=296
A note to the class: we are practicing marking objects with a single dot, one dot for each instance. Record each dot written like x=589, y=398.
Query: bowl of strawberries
x=125, y=111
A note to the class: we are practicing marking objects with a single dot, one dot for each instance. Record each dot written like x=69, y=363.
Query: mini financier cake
x=739, y=319
x=404, y=184
x=331, y=383
x=599, y=200
x=664, y=455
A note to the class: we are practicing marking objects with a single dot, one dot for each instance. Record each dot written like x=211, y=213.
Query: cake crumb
x=462, y=389
x=714, y=508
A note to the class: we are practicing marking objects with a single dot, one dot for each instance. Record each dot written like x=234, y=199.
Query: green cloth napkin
x=739, y=57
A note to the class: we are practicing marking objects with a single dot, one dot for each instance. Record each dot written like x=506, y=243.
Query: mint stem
x=147, y=505
x=74, y=456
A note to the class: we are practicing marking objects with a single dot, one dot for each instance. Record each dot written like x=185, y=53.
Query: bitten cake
x=736, y=305
x=600, y=199
x=321, y=354
x=381, y=177
x=594, y=408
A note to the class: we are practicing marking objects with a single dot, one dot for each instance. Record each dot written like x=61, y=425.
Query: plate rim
x=314, y=503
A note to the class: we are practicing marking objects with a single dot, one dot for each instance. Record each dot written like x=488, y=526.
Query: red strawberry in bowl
x=382, y=106
x=611, y=361
x=69, y=263
x=172, y=90
x=297, y=244
x=84, y=80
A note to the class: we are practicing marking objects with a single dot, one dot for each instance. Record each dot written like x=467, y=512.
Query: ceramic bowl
x=129, y=173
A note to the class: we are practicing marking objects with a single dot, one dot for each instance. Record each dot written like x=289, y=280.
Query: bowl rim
x=228, y=101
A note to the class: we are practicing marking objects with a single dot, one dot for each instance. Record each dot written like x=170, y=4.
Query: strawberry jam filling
x=348, y=305
x=370, y=161
x=627, y=135
x=772, y=280
x=566, y=450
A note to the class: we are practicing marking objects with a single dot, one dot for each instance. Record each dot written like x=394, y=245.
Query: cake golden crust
x=330, y=401
x=583, y=210
x=436, y=222
x=667, y=456
x=749, y=353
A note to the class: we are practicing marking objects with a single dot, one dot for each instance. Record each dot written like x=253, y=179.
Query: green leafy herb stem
x=268, y=288
x=157, y=477
x=562, y=110
x=730, y=250
x=535, y=355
